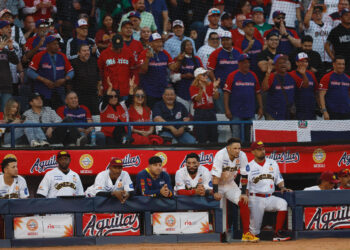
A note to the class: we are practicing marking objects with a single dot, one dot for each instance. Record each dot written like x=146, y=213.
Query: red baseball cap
x=344, y=172
x=116, y=162
x=257, y=145
x=219, y=2
x=329, y=176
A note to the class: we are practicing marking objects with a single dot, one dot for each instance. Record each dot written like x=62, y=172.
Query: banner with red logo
x=327, y=218
x=111, y=224
x=297, y=159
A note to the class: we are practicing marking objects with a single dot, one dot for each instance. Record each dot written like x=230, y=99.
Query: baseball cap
x=134, y=14
x=5, y=11
x=271, y=34
x=200, y=71
x=117, y=41
x=213, y=11
x=219, y=2
x=301, y=56
x=344, y=172
x=62, y=153
x=80, y=23
x=329, y=176
x=126, y=22
x=278, y=56
x=318, y=7
x=40, y=22
x=344, y=11
x=247, y=21
x=115, y=161
x=178, y=23
x=34, y=95
x=226, y=34
x=243, y=57
x=50, y=39
x=226, y=16
x=258, y=9
x=4, y=24
x=154, y=37
x=257, y=145
x=277, y=13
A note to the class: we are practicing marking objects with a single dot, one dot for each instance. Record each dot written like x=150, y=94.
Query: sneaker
x=281, y=236
x=44, y=144
x=81, y=141
x=35, y=144
x=249, y=237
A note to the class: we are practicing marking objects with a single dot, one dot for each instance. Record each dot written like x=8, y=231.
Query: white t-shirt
x=204, y=53
x=18, y=189
x=56, y=183
x=225, y=169
x=219, y=30
x=183, y=180
x=262, y=179
x=288, y=7
x=313, y=188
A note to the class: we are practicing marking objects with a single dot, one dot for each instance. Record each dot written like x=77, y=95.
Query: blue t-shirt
x=285, y=46
x=156, y=8
x=147, y=186
x=177, y=114
x=253, y=52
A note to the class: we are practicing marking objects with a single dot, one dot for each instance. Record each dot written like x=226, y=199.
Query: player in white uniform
x=12, y=185
x=193, y=179
x=112, y=182
x=327, y=181
x=61, y=181
x=226, y=164
x=263, y=175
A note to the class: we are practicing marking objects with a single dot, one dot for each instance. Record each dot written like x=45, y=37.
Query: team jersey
x=147, y=186
x=79, y=114
x=207, y=101
x=118, y=67
x=41, y=13
x=223, y=62
x=242, y=89
x=56, y=183
x=109, y=114
x=183, y=180
x=285, y=46
x=287, y=6
x=313, y=188
x=253, y=52
x=337, y=86
x=203, y=53
x=225, y=169
x=262, y=179
x=238, y=36
x=32, y=42
x=18, y=189
x=155, y=79
x=136, y=47
x=135, y=116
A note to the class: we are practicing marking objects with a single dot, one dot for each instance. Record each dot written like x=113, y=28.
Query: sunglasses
x=280, y=18
x=215, y=12
x=139, y=96
x=113, y=96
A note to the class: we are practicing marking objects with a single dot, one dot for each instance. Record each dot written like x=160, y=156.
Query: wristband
x=215, y=188
x=323, y=110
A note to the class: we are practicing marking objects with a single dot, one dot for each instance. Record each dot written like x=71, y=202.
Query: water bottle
x=93, y=137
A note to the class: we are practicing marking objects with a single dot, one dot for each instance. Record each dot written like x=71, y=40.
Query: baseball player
x=193, y=179
x=12, y=186
x=112, y=182
x=263, y=175
x=327, y=181
x=344, y=178
x=61, y=181
x=226, y=164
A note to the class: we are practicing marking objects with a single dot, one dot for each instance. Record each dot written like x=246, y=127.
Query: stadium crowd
x=169, y=60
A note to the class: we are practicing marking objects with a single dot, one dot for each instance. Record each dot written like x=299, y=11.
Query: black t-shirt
x=264, y=55
x=339, y=37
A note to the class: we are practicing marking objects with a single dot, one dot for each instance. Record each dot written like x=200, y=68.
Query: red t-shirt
x=207, y=97
x=103, y=36
x=111, y=115
x=135, y=116
x=237, y=37
x=136, y=48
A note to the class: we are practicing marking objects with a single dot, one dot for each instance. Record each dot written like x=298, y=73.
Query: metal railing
x=127, y=124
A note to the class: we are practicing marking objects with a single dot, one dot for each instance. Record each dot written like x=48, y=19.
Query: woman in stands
x=202, y=94
x=104, y=35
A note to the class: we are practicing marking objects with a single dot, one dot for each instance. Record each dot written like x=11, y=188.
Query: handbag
x=292, y=111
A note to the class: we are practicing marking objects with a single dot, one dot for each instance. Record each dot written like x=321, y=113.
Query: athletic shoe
x=81, y=141
x=35, y=144
x=249, y=237
x=281, y=236
x=44, y=144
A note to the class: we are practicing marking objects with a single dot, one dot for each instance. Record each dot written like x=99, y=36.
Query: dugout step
x=46, y=242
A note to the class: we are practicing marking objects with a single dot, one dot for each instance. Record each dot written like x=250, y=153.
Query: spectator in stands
x=307, y=85
x=7, y=56
x=327, y=181
x=205, y=51
x=112, y=182
x=147, y=19
x=203, y=92
x=117, y=63
x=12, y=185
x=183, y=79
x=153, y=181
x=263, y=58
x=40, y=9
x=338, y=41
x=17, y=34
x=335, y=18
x=226, y=22
x=135, y=19
x=155, y=62
x=145, y=37
x=159, y=10
x=241, y=89
x=104, y=35
x=40, y=114
x=173, y=44
x=193, y=179
x=79, y=114
x=81, y=28
x=238, y=33
x=221, y=63
x=334, y=89
x=344, y=178
x=213, y=26
x=318, y=30
x=14, y=6
x=280, y=90
x=86, y=81
x=50, y=70
x=28, y=29
x=60, y=181
x=218, y=4
x=259, y=20
x=292, y=12
x=289, y=39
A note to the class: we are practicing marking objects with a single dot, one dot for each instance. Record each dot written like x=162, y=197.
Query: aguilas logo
x=42, y=166
x=327, y=220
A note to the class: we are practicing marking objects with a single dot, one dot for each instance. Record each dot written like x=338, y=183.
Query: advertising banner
x=297, y=159
x=111, y=224
x=327, y=218
x=180, y=223
x=48, y=226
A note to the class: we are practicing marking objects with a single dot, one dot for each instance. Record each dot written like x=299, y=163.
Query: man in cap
x=60, y=181
x=112, y=182
x=213, y=26
x=334, y=18
x=327, y=181
x=117, y=63
x=292, y=10
x=173, y=44
x=218, y=4
x=153, y=181
x=259, y=20
x=344, y=178
x=263, y=175
x=12, y=185
x=40, y=9
x=135, y=19
x=81, y=28
x=205, y=51
x=16, y=32
x=226, y=21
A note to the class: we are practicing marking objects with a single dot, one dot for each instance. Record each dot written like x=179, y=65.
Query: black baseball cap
x=126, y=22
x=62, y=153
x=272, y=33
x=33, y=96
x=117, y=41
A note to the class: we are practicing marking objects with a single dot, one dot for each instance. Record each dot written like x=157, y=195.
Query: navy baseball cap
x=247, y=21
x=226, y=16
x=258, y=9
x=277, y=13
x=278, y=56
x=126, y=23
x=154, y=37
x=4, y=24
x=344, y=11
x=117, y=41
x=40, y=22
x=134, y=14
x=50, y=39
x=243, y=57
x=271, y=34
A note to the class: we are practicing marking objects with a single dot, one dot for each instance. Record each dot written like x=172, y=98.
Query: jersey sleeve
x=207, y=183
x=170, y=59
x=212, y=60
x=79, y=186
x=217, y=166
x=298, y=80
x=257, y=83
x=324, y=82
x=179, y=181
x=34, y=64
x=128, y=186
x=243, y=163
x=193, y=91
x=60, y=111
x=88, y=113
x=142, y=57
x=229, y=82
x=271, y=79
x=23, y=189
x=278, y=175
x=99, y=183
x=44, y=186
x=293, y=33
x=316, y=86
x=67, y=66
